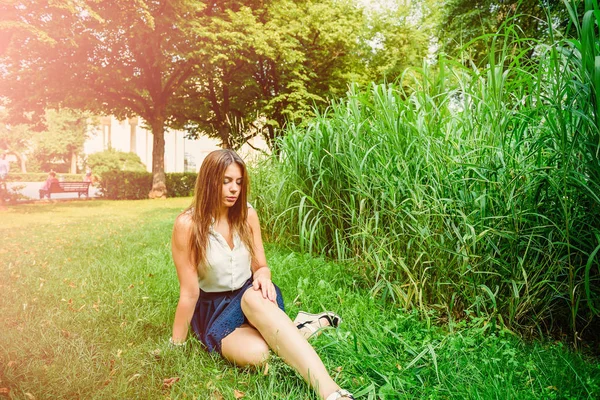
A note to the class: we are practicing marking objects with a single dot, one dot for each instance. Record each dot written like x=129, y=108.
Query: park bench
x=69, y=187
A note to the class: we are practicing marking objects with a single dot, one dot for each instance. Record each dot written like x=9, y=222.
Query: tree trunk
x=73, y=162
x=22, y=161
x=225, y=136
x=159, y=188
x=132, y=134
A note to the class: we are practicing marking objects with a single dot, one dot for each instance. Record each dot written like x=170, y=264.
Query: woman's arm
x=188, y=277
x=261, y=274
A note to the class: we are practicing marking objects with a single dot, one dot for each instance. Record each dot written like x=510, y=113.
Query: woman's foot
x=340, y=394
x=310, y=325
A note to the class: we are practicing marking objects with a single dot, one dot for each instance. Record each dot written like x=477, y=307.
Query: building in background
x=181, y=154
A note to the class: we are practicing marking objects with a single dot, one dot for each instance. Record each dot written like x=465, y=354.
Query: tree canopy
x=462, y=21
x=228, y=69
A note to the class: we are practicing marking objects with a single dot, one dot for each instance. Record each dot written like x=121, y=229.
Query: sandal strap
x=340, y=393
x=307, y=324
x=331, y=317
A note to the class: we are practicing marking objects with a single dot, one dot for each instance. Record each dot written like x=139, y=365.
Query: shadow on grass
x=58, y=205
x=43, y=206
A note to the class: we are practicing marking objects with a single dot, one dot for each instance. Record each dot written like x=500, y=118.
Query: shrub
x=180, y=184
x=131, y=185
x=110, y=160
x=125, y=185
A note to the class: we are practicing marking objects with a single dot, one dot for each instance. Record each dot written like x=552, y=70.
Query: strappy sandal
x=305, y=319
x=339, y=394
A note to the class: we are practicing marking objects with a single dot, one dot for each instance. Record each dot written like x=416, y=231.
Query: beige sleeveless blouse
x=227, y=269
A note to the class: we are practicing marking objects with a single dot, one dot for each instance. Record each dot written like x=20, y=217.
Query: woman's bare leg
x=245, y=347
x=286, y=341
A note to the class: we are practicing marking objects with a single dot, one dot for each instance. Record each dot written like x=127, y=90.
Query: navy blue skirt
x=220, y=313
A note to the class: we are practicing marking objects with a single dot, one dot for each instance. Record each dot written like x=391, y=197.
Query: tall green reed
x=474, y=191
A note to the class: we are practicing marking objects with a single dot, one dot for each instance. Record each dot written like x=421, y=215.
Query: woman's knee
x=253, y=301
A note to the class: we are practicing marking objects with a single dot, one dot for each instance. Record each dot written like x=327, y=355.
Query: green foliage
x=62, y=140
x=54, y=146
x=135, y=185
x=472, y=190
x=9, y=194
x=13, y=138
x=125, y=185
x=397, y=37
x=114, y=160
x=269, y=61
x=467, y=28
x=103, y=272
x=180, y=184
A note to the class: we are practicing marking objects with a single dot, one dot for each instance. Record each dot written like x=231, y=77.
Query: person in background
x=88, y=177
x=4, y=167
x=45, y=190
x=225, y=289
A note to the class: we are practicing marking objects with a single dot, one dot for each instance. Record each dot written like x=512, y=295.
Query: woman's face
x=232, y=185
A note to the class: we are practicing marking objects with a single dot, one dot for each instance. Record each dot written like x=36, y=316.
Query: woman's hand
x=262, y=281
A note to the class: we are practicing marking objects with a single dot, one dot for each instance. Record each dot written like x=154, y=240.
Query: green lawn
x=88, y=292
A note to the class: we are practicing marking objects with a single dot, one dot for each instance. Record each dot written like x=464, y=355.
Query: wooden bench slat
x=70, y=187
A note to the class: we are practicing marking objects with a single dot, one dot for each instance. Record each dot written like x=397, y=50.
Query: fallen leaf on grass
x=266, y=371
x=155, y=353
x=29, y=396
x=238, y=394
x=5, y=391
x=216, y=396
x=134, y=377
x=168, y=382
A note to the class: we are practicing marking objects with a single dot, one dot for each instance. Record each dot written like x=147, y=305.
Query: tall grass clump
x=472, y=191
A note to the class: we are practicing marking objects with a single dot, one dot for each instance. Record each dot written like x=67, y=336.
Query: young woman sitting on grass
x=226, y=292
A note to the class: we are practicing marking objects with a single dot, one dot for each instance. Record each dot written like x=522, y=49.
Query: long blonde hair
x=207, y=200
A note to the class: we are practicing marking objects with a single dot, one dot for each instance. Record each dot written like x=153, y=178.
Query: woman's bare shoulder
x=182, y=228
x=253, y=219
x=184, y=220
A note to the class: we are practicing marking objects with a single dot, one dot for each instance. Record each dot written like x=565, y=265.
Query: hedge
x=130, y=185
x=180, y=184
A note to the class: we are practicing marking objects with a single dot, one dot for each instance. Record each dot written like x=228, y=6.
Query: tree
x=63, y=139
x=15, y=139
x=465, y=20
x=116, y=57
x=208, y=67
x=317, y=51
x=399, y=37
x=269, y=61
